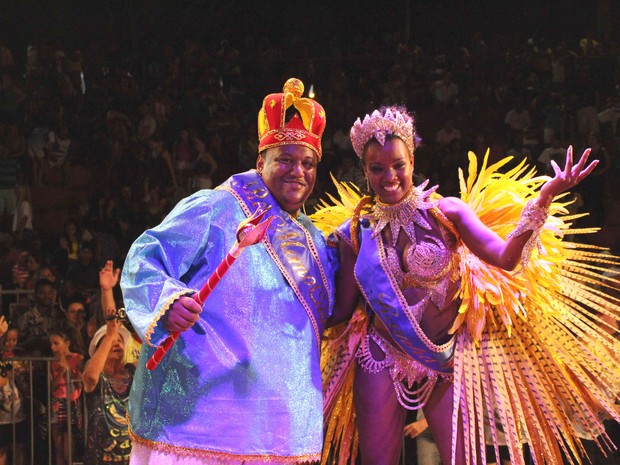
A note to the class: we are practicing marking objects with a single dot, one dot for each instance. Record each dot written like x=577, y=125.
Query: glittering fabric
x=245, y=380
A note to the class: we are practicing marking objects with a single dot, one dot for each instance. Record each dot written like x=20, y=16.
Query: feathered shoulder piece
x=559, y=271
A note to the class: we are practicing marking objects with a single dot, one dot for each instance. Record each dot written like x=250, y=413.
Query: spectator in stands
x=205, y=165
x=160, y=178
x=12, y=97
x=184, y=157
x=23, y=269
x=58, y=147
x=447, y=134
x=555, y=151
x=9, y=174
x=36, y=324
x=594, y=191
x=37, y=140
x=66, y=254
x=349, y=170
x=611, y=112
x=13, y=427
x=584, y=94
x=426, y=448
x=85, y=273
x=65, y=384
x=107, y=380
x=74, y=324
x=445, y=92
x=517, y=120
x=22, y=228
x=147, y=126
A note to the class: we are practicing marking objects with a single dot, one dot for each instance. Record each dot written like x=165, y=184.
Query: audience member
x=184, y=157
x=517, y=120
x=35, y=325
x=445, y=92
x=13, y=427
x=426, y=448
x=107, y=380
x=447, y=134
x=57, y=148
x=594, y=191
x=554, y=152
x=85, y=272
x=74, y=324
x=66, y=252
x=205, y=165
x=9, y=175
x=65, y=385
x=350, y=171
x=22, y=218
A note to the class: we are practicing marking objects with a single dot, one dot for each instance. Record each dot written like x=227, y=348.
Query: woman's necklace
x=404, y=214
x=119, y=381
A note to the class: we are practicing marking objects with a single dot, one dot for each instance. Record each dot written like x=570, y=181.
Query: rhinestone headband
x=378, y=126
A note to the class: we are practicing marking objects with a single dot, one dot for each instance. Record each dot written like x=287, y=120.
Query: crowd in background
x=184, y=118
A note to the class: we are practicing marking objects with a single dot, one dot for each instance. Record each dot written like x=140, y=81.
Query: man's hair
x=42, y=282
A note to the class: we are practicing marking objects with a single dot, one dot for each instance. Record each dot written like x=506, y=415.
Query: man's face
x=45, y=296
x=85, y=256
x=289, y=171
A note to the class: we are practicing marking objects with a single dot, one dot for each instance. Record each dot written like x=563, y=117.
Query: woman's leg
x=380, y=418
x=438, y=413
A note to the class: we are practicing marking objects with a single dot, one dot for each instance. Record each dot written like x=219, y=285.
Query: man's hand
x=182, y=314
x=416, y=428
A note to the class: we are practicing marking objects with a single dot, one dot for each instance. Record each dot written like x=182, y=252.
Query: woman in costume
x=442, y=323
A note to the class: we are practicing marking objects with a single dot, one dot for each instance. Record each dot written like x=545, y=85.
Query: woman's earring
x=368, y=186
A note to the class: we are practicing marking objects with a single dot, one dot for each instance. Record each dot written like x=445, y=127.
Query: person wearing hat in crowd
x=107, y=379
x=242, y=384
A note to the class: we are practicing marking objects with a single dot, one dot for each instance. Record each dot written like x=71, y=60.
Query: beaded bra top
x=429, y=262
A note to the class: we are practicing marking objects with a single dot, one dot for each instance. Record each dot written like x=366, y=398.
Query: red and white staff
x=250, y=231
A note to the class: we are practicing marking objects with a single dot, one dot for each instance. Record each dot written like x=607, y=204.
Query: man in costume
x=242, y=384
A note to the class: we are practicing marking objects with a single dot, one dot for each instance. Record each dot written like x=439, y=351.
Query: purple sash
x=291, y=247
x=387, y=301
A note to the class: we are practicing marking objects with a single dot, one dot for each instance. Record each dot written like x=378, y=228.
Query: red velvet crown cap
x=304, y=128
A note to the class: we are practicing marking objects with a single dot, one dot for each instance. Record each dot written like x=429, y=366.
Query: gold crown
x=380, y=124
x=304, y=128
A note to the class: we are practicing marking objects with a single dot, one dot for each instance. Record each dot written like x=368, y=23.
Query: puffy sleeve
x=162, y=263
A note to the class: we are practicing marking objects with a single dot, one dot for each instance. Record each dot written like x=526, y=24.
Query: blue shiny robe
x=245, y=381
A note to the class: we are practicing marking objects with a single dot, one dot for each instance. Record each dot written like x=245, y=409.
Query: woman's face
x=389, y=169
x=75, y=313
x=59, y=345
x=118, y=349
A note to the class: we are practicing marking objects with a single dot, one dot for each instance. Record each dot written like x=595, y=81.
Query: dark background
x=142, y=25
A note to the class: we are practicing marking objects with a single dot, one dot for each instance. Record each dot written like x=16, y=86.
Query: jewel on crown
x=378, y=126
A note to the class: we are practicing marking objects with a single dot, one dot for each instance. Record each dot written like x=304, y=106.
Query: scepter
x=249, y=232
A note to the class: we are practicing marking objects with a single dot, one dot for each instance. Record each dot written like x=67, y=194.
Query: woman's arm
x=486, y=244
x=347, y=293
x=94, y=367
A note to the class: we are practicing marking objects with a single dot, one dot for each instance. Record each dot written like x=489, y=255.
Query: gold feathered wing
x=339, y=345
x=532, y=346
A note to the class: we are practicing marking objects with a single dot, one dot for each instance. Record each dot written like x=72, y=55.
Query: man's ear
x=260, y=162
